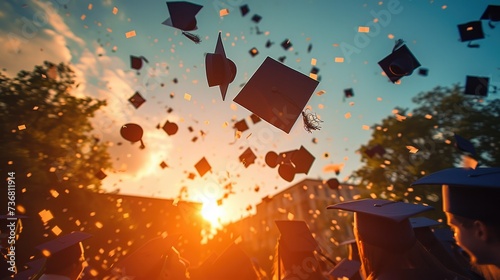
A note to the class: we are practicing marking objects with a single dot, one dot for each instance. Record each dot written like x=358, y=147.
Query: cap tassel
x=193, y=37
x=470, y=45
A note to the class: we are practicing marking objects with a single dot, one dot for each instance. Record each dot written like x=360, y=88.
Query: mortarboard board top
x=202, y=166
x=286, y=44
x=256, y=18
x=333, y=183
x=136, y=62
x=182, y=15
x=348, y=93
x=302, y=160
x=137, y=100
x=231, y=262
x=244, y=10
x=58, y=245
x=492, y=13
x=471, y=31
x=346, y=269
x=401, y=62
x=241, y=125
x=247, y=157
x=296, y=236
x=170, y=128
x=477, y=86
x=277, y=94
x=220, y=69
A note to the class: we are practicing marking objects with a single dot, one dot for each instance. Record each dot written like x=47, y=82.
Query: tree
x=422, y=142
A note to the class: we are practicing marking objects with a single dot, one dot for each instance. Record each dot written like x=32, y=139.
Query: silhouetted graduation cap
x=269, y=44
x=296, y=236
x=256, y=18
x=170, y=128
x=100, y=174
x=244, y=10
x=182, y=15
x=136, y=62
x=247, y=157
x=255, y=119
x=286, y=44
x=277, y=94
x=346, y=269
x=220, y=69
x=33, y=271
x=470, y=193
x=132, y=132
x=233, y=263
x=241, y=125
x=202, y=166
x=146, y=262
x=302, y=160
x=477, y=86
x=63, y=251
x=290, y=162
x=401, y=62
x=423, y=71
x=471, y=31
x=384, y=223
x=492, y=13
x=137, y=100
x=464, y=145
x=348, y=93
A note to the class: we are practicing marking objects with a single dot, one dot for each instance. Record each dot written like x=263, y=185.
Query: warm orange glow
x=213, y=213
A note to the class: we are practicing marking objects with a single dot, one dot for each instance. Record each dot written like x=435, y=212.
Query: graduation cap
x=244, y=10
x=423, y=71
x=296, y=236
x=202, y=166
x=34, y=270
x=247, y=157
x=255, y=119
x=63, y=251
x=348, y=93
x=100, y=174
x=471, y=31
x=232, y=262
x=346, y=269
x=477, y=86
x=256, y=18
x=183, y=17
x=302, y=160
x=384, y=223
x=220, y=69
x=470, y=193
x=401, y=62
x=277, y=94
x=170, y=128
x=241, y=125
x=137, y=100
x=492, y=13
x=422, y=222
x=282, y=59
x=286, y=44
x=132, y=132
x=464, y=145
x=163, y=165
x=375, y=150
x=314, y=70
x=146, y=262
x=136, y=62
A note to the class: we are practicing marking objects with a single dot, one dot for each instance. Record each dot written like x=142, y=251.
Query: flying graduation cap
x=133, y=133
x=277, y=94
x=220, y=69
x=477, y=86
x=183, y=17
x=492, y=13
x=137, y=100
x=290, y=162
x=136, y=62
x=401, y=62
x=247, y=157
x=471, y=31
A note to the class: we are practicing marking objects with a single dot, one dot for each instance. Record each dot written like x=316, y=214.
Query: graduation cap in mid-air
x=202, y=166
x=277, y=94
x=137, y=100
x=232, y=262
x=183, y=17
x=244, y=9
x=136, y=62
x=492, y=13
x=401, y=62
x=477, y=86
x=290, y=162
x=471, y=31
x=220, y=69
x=133, y=133
x=247, y=157
x=346, y=270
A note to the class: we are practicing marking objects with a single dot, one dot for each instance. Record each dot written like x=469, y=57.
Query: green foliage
x=430, y=128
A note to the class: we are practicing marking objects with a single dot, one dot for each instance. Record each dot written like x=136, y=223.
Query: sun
x=213, y=213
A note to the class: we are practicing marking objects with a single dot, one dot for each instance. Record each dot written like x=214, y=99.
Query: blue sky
x=73, y=32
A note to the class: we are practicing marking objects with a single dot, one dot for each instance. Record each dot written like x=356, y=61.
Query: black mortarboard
x=170, y=128
x=375, y=150
x=348, y=93
x=492, y=13
x=182, y=15
x=147, y=260
x=132, y=132
x=232, y=263
x=421, y=222
x=163, y=165
x=244, y=10
x=401, y=62
x=64, y=250
x=136, y=62
x=137, y=100
x=100, y=174
x=302, y=160
x=241, y=125
x=220, y=69
x=33, y=271
x=471, y=31
x=314, y=70
x=477, y=86
x=296, y=236
x=346, y=269
x=277, y=94
x=470, y=193
x=202, y=166
x=255, y=119
x=253, y=52
x=464, y=145
x=423, y=71
x=247, y=157
x=286, y=44
x=256, y=18
x=384, y=223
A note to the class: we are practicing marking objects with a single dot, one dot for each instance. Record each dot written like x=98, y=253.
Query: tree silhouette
x=422, y=141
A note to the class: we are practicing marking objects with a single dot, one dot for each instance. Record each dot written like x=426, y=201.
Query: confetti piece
x=223, y=12
x=52, y=169
x=347, y=115
x=21, y=127
x=339, y=59
x=366, y=127
x=54, y=193
x=90, y=6
x=115, y=10
x=56, y=230
x=320, y=106
x=313, y=61
x=313, y=76
x=379, y=98
x=130, y=34
x=412, y=149
x=390, y=36
x=363, y=29
x=45, y=215
x=290, y=216
x=98, y=225
x=82, y=17
x=187, y=96
x=428, y=116
x=444, y=7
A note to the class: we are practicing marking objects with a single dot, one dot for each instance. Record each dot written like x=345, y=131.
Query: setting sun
x=213, y=213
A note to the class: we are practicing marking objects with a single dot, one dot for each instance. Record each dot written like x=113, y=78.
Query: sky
x=91, y=37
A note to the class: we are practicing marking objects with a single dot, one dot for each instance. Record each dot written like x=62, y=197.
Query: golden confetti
x=98, y=225
x=390, y=36
x=54, y=193
x=363, y=29
x=379, y=98
x=90, y=6
x=223, y=12
x=347, y=115
x=290, y=216
x=21, y=127
x=109, y=30
x=130, y=34
x=115, y=10
x=428, y=116
x=313, y=61
x=82, y=17
x=339, y=59
x=46, y=253
x=412, y=149
x=444, y=7
x=52, y=169
x=320, y=106
x=56, y=230
x=187, y=96
x=321, y=92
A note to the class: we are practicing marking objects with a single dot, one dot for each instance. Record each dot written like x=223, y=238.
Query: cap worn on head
x=277, y=94
x=296, y=236
x=477, y=86
x=220, y=69
x=384, y=223
x=182, y=15
x=346, y=269
x=401, y=62
x=470, y=193
x=233, y=263
x=63, y=251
